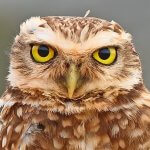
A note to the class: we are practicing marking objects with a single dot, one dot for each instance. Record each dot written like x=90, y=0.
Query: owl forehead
x=70, y=33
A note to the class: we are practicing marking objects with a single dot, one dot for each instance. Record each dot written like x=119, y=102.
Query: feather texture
x=110, y=108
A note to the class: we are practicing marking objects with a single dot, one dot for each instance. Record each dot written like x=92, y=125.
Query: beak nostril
x=79, y=65
x=67, y=65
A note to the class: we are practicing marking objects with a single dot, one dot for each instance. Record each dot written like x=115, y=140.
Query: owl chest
x=68, y=134
x=42, y=130
x=86, y=132
x=77, y=132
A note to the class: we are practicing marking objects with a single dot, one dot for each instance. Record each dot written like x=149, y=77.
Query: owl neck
x=112, y=100
x=121, y=116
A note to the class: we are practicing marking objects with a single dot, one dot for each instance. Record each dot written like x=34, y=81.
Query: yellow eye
x=106, y=55
x=42, y=53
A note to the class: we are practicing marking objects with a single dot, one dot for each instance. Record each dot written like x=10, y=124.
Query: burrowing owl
x=74, y=83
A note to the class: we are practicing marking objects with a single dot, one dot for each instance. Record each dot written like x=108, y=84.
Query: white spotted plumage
x=109, y=107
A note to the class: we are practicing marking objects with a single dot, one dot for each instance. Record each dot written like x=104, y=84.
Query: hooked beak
x=72, y=78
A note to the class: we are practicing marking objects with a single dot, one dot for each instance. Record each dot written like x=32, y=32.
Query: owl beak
x=72, y=78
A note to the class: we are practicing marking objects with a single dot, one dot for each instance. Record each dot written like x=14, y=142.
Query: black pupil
x=43, y=51
x=104, y=53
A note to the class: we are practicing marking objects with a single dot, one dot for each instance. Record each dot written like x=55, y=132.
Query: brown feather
x=109, y=111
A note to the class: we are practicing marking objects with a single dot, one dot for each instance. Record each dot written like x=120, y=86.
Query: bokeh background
x=133, y=15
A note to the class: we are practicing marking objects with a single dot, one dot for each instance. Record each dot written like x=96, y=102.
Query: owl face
x=71, y=57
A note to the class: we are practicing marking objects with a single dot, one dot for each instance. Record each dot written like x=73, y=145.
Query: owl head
x=73, y=57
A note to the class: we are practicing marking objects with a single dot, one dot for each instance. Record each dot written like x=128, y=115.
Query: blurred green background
x=133, y=15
